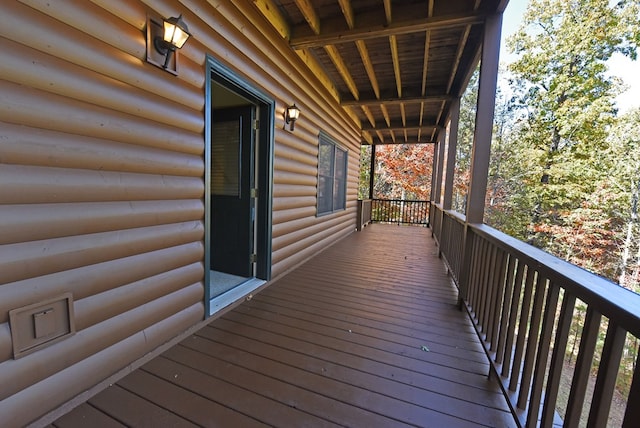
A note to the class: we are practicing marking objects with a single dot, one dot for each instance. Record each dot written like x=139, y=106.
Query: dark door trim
x=221, y=74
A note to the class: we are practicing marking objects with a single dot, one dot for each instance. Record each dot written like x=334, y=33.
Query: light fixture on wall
x=163, y=38
x=291, y=114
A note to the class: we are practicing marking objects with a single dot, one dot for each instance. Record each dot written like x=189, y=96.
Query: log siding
x=101, y=172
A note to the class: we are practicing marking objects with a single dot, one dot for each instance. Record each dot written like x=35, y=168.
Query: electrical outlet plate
x=41, y=324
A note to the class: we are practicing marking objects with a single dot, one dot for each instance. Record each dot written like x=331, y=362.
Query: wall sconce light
x=291, y=114
x=163, y=38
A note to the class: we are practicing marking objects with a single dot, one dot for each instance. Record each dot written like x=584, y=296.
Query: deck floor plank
x=133, y=410
x=183, y=402
x=87, y=415
x=367, y=333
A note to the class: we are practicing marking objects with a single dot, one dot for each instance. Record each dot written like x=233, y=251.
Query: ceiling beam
x=270, y=11
x=309, y=14
x=368, y=66
x=365, y=32
x=347, y=11
x=342, y=68
x=399, y=127
x=425, y=64
x=385, y=143
x=395, y=101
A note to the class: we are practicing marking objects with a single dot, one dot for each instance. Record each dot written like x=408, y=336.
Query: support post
x=481, y=140
x=484, y=119
x=441, y=148
x=452, y=147
x=372, y=170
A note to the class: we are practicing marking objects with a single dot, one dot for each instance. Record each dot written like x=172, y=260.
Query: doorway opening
x=238, y=186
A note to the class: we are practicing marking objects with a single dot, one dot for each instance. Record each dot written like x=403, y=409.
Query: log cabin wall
x=101, y=172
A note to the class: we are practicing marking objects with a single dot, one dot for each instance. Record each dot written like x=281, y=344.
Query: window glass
x=332, y=176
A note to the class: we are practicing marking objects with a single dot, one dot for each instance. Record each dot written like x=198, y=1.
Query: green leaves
x=564, y=167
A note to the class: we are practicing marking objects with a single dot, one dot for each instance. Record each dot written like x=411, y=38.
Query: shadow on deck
x=366, y=334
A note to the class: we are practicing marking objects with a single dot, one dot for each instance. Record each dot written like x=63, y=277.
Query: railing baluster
x=482, y=283
x=512, y=292
x=581, y=373
x=474, y=273
x=522, y=329
x=401, y=211
x=492, y=295
x=513, y=318
x=544, y=347
x=500, y=287
x=607, y=373
x=506, y=310
x=485, y=299
x=532, y=340
x=632, y=414
x=557, y=359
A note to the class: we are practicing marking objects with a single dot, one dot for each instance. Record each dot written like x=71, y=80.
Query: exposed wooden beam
x=387, y=10
x=421, y=120
x=461, y=44
x=309, y=14
x=400, y=128
x=347, y=11
x=393, y=42
x=425, y=65
x=270, y=11
x=365, y=32
x=368, y=139
x=383, y=143
x=368, y=66
x=342, y=68
x=369, y=116
x=395, y=101
x=319, y=72
x=425, y=62
x=454, y=70
x=385, y=113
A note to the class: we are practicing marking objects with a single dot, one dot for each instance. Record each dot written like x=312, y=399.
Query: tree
x=625, y=186
x=567, y=105
x=403, y=171
x=365, y=172
x=466, y=131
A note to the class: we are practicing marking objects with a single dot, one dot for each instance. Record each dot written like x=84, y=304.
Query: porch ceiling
x=395, y=65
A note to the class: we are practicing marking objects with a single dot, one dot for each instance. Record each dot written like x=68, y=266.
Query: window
x=332, y=176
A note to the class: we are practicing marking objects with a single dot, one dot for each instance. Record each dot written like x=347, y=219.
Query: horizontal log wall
x=101, y=166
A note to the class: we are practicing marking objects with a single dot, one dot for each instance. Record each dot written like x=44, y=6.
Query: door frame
x=222, y=75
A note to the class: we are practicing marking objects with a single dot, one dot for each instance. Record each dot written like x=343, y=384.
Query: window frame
x=322, y=208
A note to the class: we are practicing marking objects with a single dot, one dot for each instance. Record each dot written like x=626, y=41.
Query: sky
x=619, y=65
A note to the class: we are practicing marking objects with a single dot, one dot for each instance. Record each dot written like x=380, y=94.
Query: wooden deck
x=367, y=334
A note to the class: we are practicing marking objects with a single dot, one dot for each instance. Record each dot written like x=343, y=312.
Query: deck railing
x=545, y=324
x=397, y=211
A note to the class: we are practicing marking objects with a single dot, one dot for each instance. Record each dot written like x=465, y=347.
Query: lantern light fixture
x=175, y=35
x=164, y=36
x=292, y=113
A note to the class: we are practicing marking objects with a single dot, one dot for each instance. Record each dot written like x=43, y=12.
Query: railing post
x=482, y=138
x=372, y=170
x=465, y=268
x=632, y=414
x=481, y=149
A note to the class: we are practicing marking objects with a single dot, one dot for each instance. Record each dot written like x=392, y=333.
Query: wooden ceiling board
x=399, y=39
